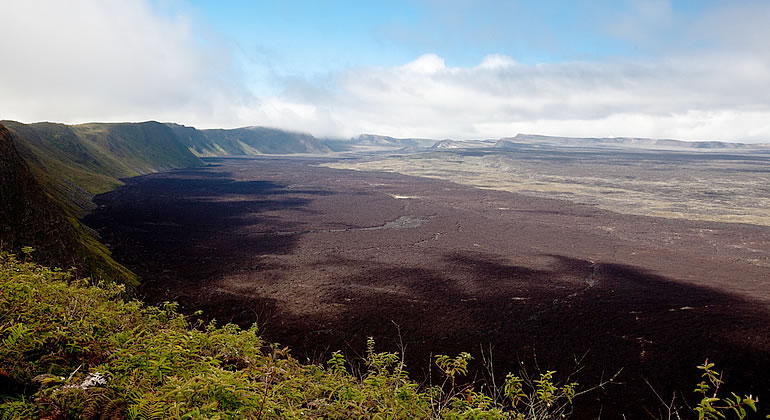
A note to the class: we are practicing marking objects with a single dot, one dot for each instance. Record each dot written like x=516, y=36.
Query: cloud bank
x=114, y=61
x=689, y=97
x=110, y=60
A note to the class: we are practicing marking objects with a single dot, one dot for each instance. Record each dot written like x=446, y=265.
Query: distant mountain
x=385, y=141
x=454, y=144
x=246, y=141
x=30, y=216
x=337, y=144
x=448, y=144
x=633, y=142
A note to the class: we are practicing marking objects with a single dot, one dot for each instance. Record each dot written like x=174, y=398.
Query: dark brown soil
x=323, y=258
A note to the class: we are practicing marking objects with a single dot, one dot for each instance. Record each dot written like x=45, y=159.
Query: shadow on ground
x=183, y=229
x=618, y=316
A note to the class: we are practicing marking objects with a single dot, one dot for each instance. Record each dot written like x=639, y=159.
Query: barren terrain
x=322, y=258
x=713, y=185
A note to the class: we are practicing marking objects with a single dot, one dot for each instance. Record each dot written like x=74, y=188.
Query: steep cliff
x=30, y=215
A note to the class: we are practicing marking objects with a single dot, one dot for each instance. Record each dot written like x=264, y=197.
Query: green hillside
x=80, y=161
x=52, y=171
x=199, y=144
x=31, y=215
x=246, y=141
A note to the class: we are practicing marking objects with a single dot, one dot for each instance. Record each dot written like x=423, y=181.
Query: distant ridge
x=625, y=142
x=246, y=141
x=455, y=144
x=448, y=144
x=377, y=140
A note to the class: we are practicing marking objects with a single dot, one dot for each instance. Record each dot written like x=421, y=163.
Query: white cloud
x=704, y=78
x=425, y=64
x=113, y=60
x=699, y=97
x=497, y=61
x=107, y=60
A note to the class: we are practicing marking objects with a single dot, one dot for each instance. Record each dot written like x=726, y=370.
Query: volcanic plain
x=323, y=257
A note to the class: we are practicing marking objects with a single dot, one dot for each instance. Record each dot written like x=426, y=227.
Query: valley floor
x=321, y=258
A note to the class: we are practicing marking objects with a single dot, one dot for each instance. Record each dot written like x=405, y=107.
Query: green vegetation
x=74, y=349
x=246, y=141
x=33, y=214
x=714, y=406
x=78, y=161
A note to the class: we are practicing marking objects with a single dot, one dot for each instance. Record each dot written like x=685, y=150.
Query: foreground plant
x=712, y=405
x=522, y=397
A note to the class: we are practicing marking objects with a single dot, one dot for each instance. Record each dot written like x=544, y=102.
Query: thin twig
x=73, y=373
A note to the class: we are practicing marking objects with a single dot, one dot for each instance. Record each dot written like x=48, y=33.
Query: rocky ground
x=322, y=258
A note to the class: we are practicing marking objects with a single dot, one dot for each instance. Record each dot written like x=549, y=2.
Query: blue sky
x=320, y=36
x=422, y=68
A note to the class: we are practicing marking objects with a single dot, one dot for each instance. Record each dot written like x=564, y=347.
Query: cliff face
x=25, y=210
x=246, y=141
x=75, y=162
x=29, y=216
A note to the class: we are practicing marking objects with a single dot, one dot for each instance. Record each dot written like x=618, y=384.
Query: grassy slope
x=139, y=148
x=269, y=140
x=246, y=141
x=200, y=145
x=30, y=215
x=80, y=161
x=61, y=162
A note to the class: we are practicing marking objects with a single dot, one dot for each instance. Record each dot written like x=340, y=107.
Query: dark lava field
x=322, y=258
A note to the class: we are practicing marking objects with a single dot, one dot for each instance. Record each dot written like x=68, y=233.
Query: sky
x=460, y=69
